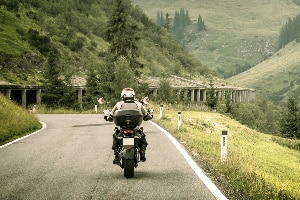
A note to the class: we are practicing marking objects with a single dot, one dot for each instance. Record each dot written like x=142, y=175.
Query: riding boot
x=143, y=153
x=143, y=144
x=142, y=156
x=117, y=158
x=116, y=142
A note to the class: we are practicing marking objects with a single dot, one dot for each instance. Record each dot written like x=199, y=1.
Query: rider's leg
x=115, y=146
x=143, y=145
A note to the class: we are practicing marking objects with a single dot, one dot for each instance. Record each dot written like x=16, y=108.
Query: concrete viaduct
x=27, y=95
x=196, y=90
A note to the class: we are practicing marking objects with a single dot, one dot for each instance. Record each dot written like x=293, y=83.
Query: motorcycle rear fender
x=128, y=154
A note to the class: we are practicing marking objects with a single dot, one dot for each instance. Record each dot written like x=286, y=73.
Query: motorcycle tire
x=128, y=168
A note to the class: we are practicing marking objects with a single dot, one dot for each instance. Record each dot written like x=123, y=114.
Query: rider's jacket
x=134, y=105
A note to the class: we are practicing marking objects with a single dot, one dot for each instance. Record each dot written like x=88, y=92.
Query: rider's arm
x=147, y=115
x=116, y=107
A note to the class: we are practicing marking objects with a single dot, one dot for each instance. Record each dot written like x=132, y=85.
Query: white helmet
x=127, y=94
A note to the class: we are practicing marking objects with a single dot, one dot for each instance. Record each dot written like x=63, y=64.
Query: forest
x=290, y=31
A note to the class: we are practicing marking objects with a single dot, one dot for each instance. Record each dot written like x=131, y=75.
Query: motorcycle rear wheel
x=128, y=168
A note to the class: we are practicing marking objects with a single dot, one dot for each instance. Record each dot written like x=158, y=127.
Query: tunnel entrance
x=30, y=97
x=16, y=96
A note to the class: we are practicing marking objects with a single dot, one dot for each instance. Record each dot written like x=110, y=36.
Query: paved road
x=72, y=159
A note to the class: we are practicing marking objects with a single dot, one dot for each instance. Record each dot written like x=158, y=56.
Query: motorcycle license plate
x=128, y=141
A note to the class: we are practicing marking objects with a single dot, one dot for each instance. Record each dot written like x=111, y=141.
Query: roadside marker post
x=161, y=111
x=96, y=108
x=179, y=119
x=224, y=146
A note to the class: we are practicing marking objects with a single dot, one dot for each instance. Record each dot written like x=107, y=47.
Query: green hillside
x=77, y=30
x=239, y=35
x=15, y=121
x=275, y=77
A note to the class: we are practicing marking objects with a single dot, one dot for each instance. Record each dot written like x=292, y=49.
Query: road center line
x=208, y=183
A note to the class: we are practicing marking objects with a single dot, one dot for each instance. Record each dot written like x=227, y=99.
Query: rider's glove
x=147, y=117
x=108, y=118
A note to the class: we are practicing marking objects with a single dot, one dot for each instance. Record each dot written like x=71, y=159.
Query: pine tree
x=228, y=101
x=160, y=18
x=187, y=18
x=168, y=22
x=123, y=34
x=200, y=24
x=165, y=92
x=289, y=123
x=289, y=32
x=124, y=77
x=180, y=22
x=53, y=85
x=176, y=22
x=211, y=97
x=92, y=92
x=107, y=79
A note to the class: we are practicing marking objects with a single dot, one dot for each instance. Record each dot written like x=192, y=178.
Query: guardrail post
x=179, y=119
x=224, y=146
x=161, y=111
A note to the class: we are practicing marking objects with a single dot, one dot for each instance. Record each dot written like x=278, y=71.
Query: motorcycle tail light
x=128, y=131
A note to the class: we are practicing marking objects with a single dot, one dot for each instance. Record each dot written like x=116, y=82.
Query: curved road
x=72, y=159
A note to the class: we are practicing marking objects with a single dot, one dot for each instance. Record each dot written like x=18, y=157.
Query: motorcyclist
x=129, y=102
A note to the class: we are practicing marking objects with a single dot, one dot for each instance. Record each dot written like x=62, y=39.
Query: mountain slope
x=239, y=35
x=78, y=30
x=275, y=77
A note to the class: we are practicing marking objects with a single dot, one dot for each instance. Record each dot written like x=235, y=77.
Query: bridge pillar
x=233, y=96
x=204, y=96
x=155, y=92
x=245, y=99
x=8, y=93
x=240, y=96
x=219, y=95
x=192, y=95
x=38, y=96
x=24, y=91
x=80, y=97
x=248, y=96
x=198, y=95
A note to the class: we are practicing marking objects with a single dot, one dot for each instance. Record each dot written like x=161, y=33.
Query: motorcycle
x=128, y=122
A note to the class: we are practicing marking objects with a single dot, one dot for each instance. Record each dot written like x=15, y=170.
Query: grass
x=274, y=74
x=10, y=41
x=15, y=121
x=257, y=165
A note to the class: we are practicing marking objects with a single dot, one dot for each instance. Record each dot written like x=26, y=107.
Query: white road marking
x=209, y=184
x=21, y=138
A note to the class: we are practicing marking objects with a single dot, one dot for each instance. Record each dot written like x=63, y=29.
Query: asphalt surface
x=72, y=159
